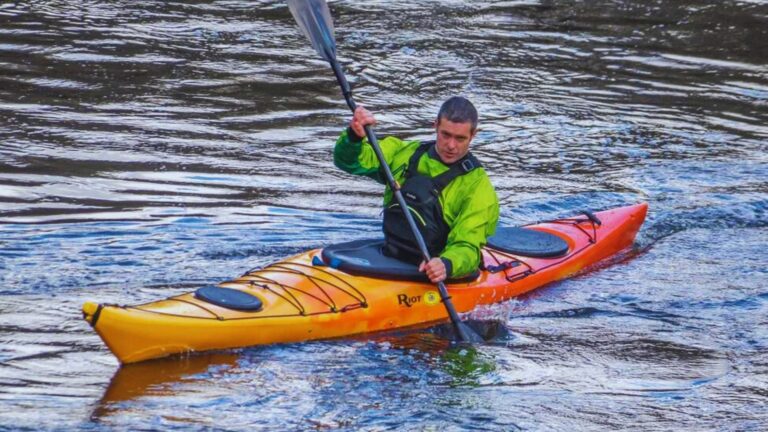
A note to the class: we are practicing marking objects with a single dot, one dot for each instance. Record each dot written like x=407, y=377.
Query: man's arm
x=474, y=223
x=354, y=155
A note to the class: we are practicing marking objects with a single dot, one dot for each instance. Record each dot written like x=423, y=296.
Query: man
x=447, y=191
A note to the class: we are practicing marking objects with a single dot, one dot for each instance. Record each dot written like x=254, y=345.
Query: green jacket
x=470, y=205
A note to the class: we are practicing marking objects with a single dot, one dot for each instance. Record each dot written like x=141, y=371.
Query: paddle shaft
x=347, y=91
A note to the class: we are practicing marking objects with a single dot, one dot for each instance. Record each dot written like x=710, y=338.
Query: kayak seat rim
x=365, y=258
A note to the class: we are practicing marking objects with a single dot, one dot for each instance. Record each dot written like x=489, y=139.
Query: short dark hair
x=458, y=109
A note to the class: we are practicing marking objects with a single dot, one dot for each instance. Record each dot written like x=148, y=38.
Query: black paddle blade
x=477, y=331
x=314, y=19
x=467, y=334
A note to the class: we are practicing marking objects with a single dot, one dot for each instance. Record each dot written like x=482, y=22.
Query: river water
x=147, y=148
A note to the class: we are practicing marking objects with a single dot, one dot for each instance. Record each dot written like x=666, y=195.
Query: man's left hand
x=435, y=269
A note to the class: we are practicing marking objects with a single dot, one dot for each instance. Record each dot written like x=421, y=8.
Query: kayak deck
x=304, y=301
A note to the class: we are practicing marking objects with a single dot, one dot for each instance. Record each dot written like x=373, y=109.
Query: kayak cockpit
x=366, y=257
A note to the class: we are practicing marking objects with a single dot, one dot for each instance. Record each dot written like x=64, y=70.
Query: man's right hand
x=360, y=119
x=435, y=269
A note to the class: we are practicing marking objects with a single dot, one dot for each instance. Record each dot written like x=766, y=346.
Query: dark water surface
x=147, y=148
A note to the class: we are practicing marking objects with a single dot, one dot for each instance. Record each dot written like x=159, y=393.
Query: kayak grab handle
x=503, y=266
x=92, y=312
x=591, y=216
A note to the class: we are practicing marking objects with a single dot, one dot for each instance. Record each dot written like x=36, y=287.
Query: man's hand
x=435, y=269
x=360, y=119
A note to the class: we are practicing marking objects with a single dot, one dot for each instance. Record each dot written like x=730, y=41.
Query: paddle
x=314, y=19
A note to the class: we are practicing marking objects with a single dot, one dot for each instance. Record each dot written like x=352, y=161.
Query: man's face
x=453, y=139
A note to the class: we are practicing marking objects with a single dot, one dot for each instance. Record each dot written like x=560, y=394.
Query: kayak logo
x=405, y=299
x=430, y=298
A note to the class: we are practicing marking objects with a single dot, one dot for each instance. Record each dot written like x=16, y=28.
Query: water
x=149, y=148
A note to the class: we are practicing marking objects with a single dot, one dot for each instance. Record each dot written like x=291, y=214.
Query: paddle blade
x=474, y=331
x=314, y=19
x=467, y=334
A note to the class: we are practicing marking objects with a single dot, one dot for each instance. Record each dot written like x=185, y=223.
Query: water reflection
x=157, y=378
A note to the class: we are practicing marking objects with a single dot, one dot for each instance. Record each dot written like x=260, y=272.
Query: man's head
x=456, y=126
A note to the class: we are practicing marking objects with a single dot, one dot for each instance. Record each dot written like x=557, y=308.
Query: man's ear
x=436, y=123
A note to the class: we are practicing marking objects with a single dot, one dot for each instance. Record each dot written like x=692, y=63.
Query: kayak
x=352, y=288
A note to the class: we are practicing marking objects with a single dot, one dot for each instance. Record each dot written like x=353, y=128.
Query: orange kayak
x=347, y=289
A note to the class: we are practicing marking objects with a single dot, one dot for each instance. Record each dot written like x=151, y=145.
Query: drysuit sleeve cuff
x=448, y=266
x=353, y=137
